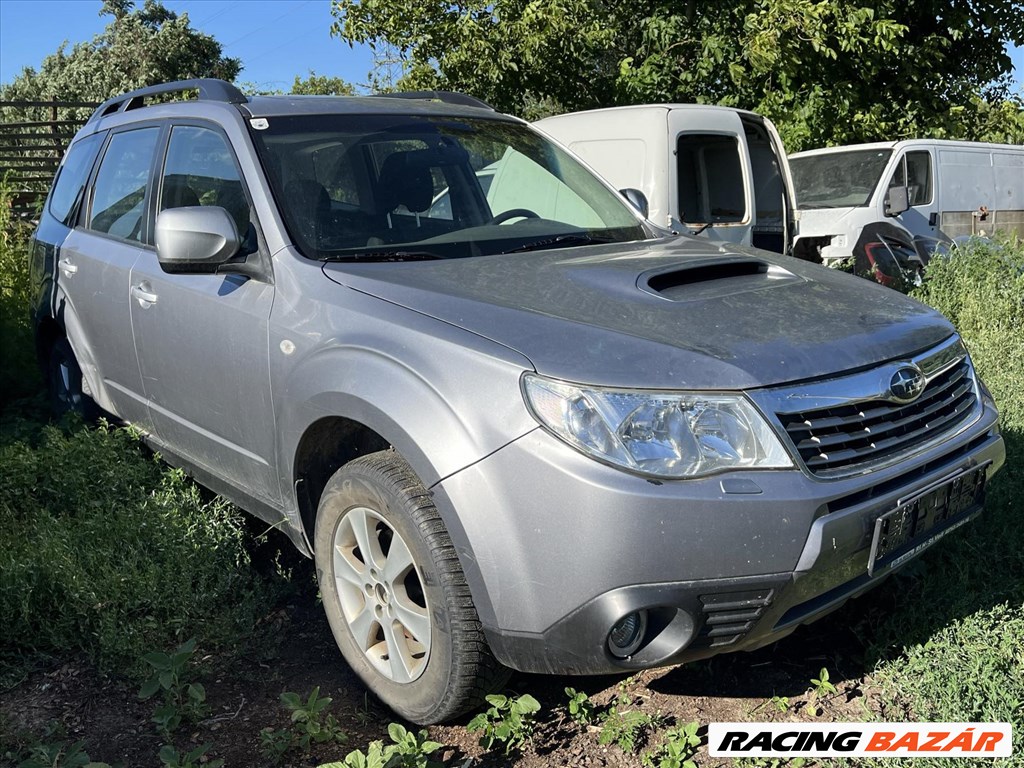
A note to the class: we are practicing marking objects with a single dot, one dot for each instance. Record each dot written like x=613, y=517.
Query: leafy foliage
x=309, y=724
x=629, y=728
x=407, y=750
x=980, y=288
x=507, y=721
x=140, y=47
x=321, y=85
x=109, y=553
x=19, y=375
x=677, y=749
x=59, y=755
x=181, y=699
x=820, y=685
x=172, y=758
x=581, y=708
x=826, y=71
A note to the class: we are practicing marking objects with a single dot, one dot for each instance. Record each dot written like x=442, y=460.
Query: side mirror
x=195, y=240
x=637, y=199
x=897, y=200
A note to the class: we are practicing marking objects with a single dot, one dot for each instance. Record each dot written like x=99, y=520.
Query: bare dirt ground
x=243, y=689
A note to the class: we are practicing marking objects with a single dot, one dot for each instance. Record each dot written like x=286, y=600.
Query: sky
x=275, y=39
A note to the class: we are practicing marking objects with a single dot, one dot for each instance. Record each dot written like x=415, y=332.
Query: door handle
x=67, y=267
x=143, y=295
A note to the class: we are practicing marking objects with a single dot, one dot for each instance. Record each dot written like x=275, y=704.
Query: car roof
x=275, y=106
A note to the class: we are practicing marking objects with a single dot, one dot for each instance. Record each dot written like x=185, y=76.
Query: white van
x=922, y=188
x=713, y=171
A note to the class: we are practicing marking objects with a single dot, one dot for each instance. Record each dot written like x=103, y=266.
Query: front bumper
x=557, y=548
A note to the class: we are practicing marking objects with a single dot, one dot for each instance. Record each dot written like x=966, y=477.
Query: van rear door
x=710, y=178
x=774, y=202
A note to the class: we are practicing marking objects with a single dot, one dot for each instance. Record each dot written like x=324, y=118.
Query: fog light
x=627, y=634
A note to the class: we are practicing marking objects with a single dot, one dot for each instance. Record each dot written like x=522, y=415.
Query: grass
x=109, y=553
x=952, y=645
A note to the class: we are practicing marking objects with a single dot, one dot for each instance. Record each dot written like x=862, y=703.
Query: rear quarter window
x=74, y=172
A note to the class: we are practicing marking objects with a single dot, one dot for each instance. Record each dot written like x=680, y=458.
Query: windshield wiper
x=561, y=240
x=384, y=256
x=701, y=230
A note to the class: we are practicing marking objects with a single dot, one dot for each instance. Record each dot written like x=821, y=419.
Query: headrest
x=405, y=180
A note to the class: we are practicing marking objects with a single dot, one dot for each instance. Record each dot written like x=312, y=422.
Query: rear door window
x=119, y=192
x=710, y=178
x=74, y=173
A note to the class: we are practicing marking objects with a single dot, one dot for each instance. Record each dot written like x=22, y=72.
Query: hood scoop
x=703, y=279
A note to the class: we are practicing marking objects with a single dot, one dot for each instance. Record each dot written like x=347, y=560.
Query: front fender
x=443, y=397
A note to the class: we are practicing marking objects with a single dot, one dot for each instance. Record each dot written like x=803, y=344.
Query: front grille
x=840, y=438
x=729, y=616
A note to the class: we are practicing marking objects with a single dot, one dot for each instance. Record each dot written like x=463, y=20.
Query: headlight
x=667, y=434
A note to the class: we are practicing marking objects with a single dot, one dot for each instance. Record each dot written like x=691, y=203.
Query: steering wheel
x=514, y=213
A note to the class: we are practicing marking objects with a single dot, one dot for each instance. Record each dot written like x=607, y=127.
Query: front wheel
x=395, y=594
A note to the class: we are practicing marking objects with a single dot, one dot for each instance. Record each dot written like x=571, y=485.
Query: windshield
x=837, y=179
x=389, y=187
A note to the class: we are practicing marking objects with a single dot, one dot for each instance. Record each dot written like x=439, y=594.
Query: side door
x=94, y=269
x=202, y=339
x=711, y=194
x=915, y=170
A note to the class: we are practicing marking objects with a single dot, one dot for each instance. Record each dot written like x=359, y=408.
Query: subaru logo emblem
x=906, y=385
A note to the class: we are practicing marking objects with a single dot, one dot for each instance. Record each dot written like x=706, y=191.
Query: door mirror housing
x=897, y=200
x=195, y=239
x=637, y=199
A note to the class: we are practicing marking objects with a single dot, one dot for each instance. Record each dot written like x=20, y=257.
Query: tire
x=64, y=380
x=416, y=590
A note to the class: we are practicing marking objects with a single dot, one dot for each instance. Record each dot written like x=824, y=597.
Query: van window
x=67, y=190
x=919, y=177
x=119, y=193
x=200, y=170
x=838, y=179
x=914, y=171
x=710, y=179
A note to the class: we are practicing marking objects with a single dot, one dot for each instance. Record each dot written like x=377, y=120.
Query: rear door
x=202, y=339
x=710, y=189
x=94, y=269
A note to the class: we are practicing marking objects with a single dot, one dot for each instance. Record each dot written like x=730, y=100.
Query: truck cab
x=711, y=171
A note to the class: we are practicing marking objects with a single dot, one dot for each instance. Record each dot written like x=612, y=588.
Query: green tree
x=827, y=71
x=140, y=47
x=321, y=85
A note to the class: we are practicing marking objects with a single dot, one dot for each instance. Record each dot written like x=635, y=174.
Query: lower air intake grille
x=730, y=615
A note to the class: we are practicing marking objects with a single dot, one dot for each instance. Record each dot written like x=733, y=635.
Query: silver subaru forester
x=516, y=425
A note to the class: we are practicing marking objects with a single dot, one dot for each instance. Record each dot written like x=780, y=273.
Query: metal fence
x=33, y=138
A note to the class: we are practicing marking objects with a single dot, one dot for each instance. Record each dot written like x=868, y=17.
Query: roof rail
x=448, y=97
x=210, y=89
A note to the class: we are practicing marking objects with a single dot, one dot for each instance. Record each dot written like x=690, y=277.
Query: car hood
x=665, y=314
x=824, y=221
